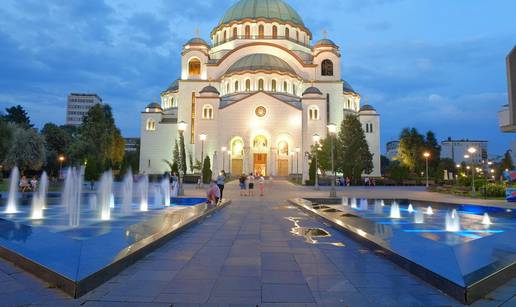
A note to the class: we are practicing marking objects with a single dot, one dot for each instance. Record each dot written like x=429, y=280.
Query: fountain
x=382, y=203
x=486, y=220
x=452, y=221
x=354, y=203
x=13, y=191
x=378, y=208
x=93, y=201
x=157, y=197
x=39, y=199
x=112, y=201
x=71, y=196
x=143, y=186
x=105, y=193
x=410, y=208
x=165, y=189
x=127, y=193
x=364, y=205
x=429, y=210
x=395, y=211
x=344, y=201
x=419, y=217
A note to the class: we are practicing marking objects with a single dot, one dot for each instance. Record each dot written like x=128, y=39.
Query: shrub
x=495, y=190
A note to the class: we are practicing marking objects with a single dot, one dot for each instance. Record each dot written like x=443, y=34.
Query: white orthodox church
x=253, y=99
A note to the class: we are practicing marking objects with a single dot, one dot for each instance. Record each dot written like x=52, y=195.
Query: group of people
x=247, y=184
x=28, y=186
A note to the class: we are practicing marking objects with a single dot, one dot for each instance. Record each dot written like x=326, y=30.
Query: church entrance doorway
x=260, y=164
x=283, y=168
x=237, y=167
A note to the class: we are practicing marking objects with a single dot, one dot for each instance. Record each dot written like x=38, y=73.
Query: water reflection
x=311, y=234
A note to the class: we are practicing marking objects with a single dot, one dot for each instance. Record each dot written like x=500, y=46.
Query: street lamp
x=61, y=160
x=229, y=162
x=472, y=150
x=297, y=163
x=316, y=138
x=202, y=137
x=332, y=129
x=426, y=155
x=223, y=149
x=181, y=126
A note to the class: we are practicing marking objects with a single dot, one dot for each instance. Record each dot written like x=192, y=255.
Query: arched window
x=235, y=33
x=224, y=37
x=283, y=148
x=247, y=85
x=172, y=102
x=287, y=33
x=260, y=85
x=297, y=35
x=261, y=31
x=285, y=86
x=327, y=68
x=313, y=113
x=274, y=32
x=294, y=92
x=194, y=68
x=236, y=86
x=260, y=142
x=207, y=111
x=151, y=125
x=227, y=88
x=247, y=32
x=273, y=85
x=237, y=147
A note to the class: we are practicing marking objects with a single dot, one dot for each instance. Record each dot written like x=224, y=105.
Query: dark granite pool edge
x=79, y=288
x=465, y=295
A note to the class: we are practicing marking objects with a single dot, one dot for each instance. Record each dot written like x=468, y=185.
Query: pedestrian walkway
x=247, y=254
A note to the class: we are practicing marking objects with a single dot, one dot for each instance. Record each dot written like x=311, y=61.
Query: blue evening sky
x=431, y=64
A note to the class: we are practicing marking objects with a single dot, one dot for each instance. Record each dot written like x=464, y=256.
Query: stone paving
x=246, y=255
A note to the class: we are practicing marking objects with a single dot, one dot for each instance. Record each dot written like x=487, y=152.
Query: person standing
x=261, y=185
x=220, y=183
x=242, y=181
x=250, y=179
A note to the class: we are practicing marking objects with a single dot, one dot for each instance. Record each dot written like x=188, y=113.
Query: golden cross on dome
x=325, y=34
x=197, y=32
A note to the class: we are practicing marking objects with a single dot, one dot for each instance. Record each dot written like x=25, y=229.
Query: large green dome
x=260, y=62
x=269, y=9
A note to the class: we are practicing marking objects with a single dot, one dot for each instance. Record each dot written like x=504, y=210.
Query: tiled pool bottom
x=466, y=264
x=79, y=259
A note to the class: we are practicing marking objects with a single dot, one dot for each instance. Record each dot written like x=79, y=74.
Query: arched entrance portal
x=260, y=150
x=237, y=156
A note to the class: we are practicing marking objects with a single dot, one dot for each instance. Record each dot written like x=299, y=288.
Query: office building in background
x=78, y=106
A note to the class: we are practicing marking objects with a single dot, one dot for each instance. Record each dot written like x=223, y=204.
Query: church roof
x=174, y=86
x=231, y=99
x=325, y=42
x=367, y=107
x=197, y=41
x=260, y=61
x=254, y=9
x=209, y=89
x=312, y=90
x=347, y=88
x=154, y=105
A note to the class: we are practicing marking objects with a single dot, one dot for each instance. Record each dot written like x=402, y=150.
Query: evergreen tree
x=206, y=170
x=182, y=154
x=17, y=115
x=507, y=163
x=312, y=170
x=433, y=147
x=27, y=150
x=6, y=137
x=352, y=156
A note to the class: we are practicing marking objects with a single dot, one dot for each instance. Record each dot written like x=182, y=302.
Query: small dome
x=268, y=9
x=312, y=90
x=260, y=61
x=367, y=107
x=209, y=89
x=346, y=87
x=154, y=105
x=325, y=42
x=174, y=86
x=197, y=41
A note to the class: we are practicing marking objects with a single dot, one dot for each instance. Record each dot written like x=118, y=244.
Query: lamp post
x=297, y=163
x=181, y=126
x=61, y=160
x=229, y=163
x=316, y=138
x=224, y=149
x=332, y=129
x=292, y=162
x=426, y=155
x=472, y=150
x=202, y=137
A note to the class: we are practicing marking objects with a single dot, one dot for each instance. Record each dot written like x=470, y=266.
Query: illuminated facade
x=261, y=90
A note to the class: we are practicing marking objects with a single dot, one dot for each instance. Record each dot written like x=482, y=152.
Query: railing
x=260, y=37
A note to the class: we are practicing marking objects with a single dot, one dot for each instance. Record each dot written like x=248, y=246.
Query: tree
x=444, y=165
x=206, y=170
x=384, y=162
x=95, y=166
x=6, y=137
x=434, y=149
x=323, y=154
x=397, y=171
x=312, y=170
x=507, y=163
x=27, y=150
x=57, y=143
x=17, y=115
x=352, y=157
x=410, y=152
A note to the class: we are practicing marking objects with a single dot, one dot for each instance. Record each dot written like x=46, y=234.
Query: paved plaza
x=246, y=255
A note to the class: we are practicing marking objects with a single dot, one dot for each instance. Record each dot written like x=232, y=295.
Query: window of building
x=260, y=111
x=273, y=85
x=247, y=32
x=235, y=33
x=294, y=92
x=287, y=33
x=297, y=35
x=247, y=85
x=327, y=68
x=192, y=121
x=261, y=31
x=207, y=112
x=194, y=68
x=236, y=86
x=237, y=148
x=285, y=86
x=227, y=88
x=260, y=85
x=151, y=125
x=274, y=32
x=283, y=148
x=224, y=37
x=313, y=113
x=370, y=128
x=260, y=142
